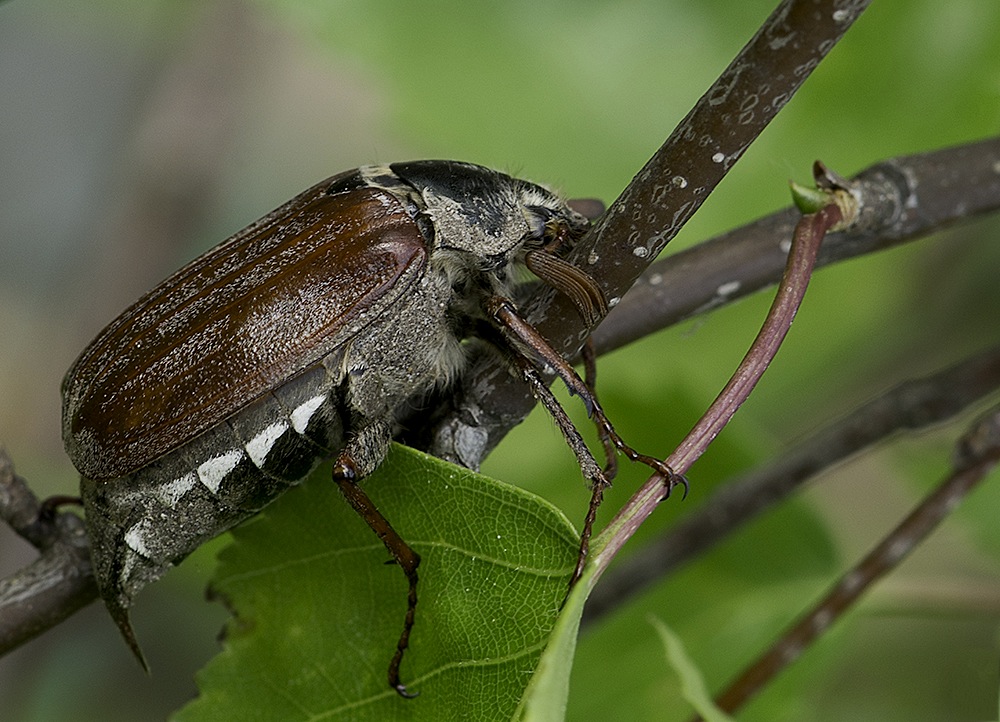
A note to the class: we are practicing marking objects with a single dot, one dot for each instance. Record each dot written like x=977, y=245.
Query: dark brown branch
x=902, y=199
x=977, y=452
x=912, y=405
x=661, y=198
x=55, y=585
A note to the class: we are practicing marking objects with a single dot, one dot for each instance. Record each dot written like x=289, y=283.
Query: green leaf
x=809, y=200
x=317, y=611
x=693, y=685
x=547, y=695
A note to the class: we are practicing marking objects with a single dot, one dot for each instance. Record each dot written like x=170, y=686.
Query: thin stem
x=915, y=404
x=809, y=233
x=978, y=453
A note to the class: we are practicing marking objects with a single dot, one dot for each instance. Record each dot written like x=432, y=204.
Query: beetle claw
x=674, y=480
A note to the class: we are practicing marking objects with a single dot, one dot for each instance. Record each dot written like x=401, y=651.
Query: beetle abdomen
x=146, y=522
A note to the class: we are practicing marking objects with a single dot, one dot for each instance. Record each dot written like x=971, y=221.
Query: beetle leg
x=524, y=334
x=49, y=507
x=588, y=465
x=590, y=378
x=346, y=474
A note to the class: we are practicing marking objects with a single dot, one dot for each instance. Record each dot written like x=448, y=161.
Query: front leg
x=588, y=465
x=532, y=345
x=530, y=354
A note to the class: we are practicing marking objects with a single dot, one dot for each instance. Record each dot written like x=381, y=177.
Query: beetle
x=306, y=336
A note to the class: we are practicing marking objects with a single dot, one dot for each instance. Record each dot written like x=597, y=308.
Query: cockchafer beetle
x=306, y=336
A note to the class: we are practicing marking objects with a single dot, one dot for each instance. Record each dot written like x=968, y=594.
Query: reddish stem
x=809, y=233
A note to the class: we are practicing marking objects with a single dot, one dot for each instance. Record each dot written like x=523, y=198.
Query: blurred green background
x=133, y=136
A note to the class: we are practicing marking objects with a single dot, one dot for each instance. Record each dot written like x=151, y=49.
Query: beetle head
x=491, y=215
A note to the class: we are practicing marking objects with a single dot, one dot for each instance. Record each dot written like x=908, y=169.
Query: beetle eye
x=541, y=225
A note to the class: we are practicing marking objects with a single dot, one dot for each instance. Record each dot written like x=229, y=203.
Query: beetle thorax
x=491, y=229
